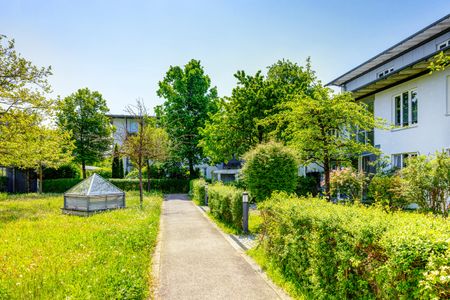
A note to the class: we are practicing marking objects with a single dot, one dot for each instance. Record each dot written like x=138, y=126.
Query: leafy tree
x=189, y=99
x=270, y=167
x=242, y=121
x=84, y=114
x=323, y=127
x=439, y=62
x=22, y=85
x=150, y=143
x=117, y=169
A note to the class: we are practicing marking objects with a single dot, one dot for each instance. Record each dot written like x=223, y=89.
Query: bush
x=306, y=185
x=270, y=167
x=161, y=185
x=59, y=185
x=347, y=182
x=384, y=189
x=197, y=191
x=225, y=203
x=355, y=252
x=105, y=172
x=66, y=171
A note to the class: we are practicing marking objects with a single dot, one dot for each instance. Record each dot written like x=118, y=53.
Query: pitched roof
x=94, y=185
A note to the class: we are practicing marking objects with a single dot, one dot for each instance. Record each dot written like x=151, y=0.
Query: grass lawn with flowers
x=47, y=255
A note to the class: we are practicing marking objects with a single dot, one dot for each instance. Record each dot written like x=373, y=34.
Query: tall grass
x=47, y=255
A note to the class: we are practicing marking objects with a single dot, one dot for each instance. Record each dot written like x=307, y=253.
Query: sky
x=124, y=48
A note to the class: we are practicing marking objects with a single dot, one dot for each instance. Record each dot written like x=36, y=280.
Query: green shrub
x=356, y=252
x=59, y=185
x=197, y=191
x=385, y=190
x=66, y=171
x=347, y=182
x=306, y=185
x=225, y=203
x=105, y=172
x=270, y=167
x=161, y=185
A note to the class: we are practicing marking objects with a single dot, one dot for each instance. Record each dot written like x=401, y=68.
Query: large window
x=399, y=160
x=406, y=109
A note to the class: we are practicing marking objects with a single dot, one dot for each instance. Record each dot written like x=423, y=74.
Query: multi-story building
x=398, y=86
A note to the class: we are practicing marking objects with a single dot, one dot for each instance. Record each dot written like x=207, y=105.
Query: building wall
x=432, y=132
x=399, y=62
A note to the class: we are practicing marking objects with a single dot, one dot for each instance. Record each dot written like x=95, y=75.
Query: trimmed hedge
x=355, y=252
x=162, y=185
x=225, y=203
x=197, y=191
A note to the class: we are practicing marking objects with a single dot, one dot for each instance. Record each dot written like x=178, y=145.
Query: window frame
x=399, y=110
x=402, y=156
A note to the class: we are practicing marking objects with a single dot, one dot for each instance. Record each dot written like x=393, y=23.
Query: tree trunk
x=83, y=169
x=141, y=195
x=191, y=169
x=326, y=167
x=40, y=179
x=148, y=176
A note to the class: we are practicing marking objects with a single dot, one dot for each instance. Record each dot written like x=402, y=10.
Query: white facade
x=432, y=131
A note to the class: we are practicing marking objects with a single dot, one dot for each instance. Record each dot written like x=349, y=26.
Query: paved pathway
x=197, y=262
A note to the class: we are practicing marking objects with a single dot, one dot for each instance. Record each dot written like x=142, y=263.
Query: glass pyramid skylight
x=94, y=185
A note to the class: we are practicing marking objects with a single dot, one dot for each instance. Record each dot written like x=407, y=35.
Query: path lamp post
x=206, y=194
x=245, y=212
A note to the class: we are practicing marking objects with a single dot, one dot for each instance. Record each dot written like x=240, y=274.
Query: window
x=134, y=127
x=399, y=160
x=406, y=109
x=385, y=72
x=443, y=45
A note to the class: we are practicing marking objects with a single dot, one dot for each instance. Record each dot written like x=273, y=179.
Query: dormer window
x=443, y=45
x=385, y=72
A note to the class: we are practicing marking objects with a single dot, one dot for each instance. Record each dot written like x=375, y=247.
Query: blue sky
x=123, y=48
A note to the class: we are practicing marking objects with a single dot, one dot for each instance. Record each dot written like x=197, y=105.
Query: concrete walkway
x=197, y=262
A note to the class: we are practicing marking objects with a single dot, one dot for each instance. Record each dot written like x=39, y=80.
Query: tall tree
x=84, y=114
x=323, y=128
x=150, y=143
x=189, y=99
x=242, y=120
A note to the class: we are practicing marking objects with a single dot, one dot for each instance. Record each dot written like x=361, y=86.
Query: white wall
x=432, y=132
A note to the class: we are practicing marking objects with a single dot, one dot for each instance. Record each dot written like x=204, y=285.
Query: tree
x=243, y=120
x=439, y=62
x=117, y=168
x=150, y=143
x=323, y=128
x=84, y=114
x=22, y=85
x=189, y=99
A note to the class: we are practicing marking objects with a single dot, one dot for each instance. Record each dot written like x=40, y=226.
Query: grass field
x=47, y=255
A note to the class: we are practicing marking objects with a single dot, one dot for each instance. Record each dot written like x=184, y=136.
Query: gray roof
x=407, y=44
x=94, y=185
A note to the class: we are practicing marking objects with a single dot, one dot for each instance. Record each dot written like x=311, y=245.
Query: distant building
x=397, y=85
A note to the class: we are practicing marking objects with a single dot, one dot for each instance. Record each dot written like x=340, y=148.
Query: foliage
x=348, y=182
x=47, y=255
x=270, y=167
x=83, y=113
x=323, y=128
x=385, y=189
x=197, y=190
x=239, y=124
x=189, y=99
x=105, y=172
x=355, y=252
x=23, y=86
x=167, y=185
x=225, y=203
x=306, y=185
x=3, y=183
x=64, y=171
x=439, y=63
x=426, y=181
x=117, y=163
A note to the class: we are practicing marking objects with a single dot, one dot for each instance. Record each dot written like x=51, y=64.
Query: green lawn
x=47, y=255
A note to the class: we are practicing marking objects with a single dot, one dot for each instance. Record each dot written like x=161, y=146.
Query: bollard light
x=245, y=197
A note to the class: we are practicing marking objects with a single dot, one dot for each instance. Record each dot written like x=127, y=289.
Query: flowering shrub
x=348, y=182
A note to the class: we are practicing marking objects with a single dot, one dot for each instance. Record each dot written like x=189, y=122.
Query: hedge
x=355, y=252
x=197, y=191
x=3, y=183
x=162, y=185
x=225, y=203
